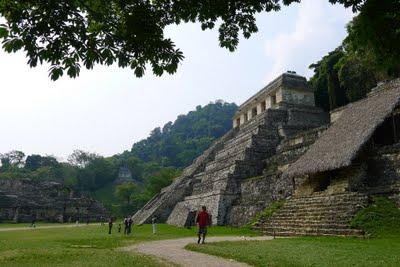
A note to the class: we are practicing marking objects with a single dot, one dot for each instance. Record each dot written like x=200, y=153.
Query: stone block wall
x=24, y=199
x=258, y=192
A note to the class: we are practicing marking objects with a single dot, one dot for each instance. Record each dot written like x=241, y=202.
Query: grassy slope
x=87, y=246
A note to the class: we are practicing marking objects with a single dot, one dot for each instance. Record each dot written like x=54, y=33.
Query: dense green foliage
x=177, y=144
x=309, y=251
x=87, y=245
x=380, y=219
x=68, y=34
x=125, y=191
x=369, y=54
x=153, y=163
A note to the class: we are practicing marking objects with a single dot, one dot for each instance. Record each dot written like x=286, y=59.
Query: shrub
x=380, y=219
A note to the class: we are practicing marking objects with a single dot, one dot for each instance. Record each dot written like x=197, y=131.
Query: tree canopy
x=370, y=53
x=68, y=34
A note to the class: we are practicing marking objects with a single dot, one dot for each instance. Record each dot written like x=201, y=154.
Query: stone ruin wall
x=384, y=173
x=20, y=199
x=375, y=173
x=257, y=193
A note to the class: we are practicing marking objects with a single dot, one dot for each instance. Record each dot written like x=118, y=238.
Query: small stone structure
x=283, y=147
x=24, y=199
x=125, y=176
x=288, y=88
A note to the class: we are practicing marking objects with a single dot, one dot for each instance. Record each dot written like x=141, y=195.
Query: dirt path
x=173, y=251
x=6, y=229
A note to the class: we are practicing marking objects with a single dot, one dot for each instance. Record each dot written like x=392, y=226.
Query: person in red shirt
x=202, y=220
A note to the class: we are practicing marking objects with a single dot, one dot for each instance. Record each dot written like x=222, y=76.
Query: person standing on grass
x=154, y=225
x=110, y=225
x=126, y=226
x=33, y=223
x=130, y=222
x=202, y=220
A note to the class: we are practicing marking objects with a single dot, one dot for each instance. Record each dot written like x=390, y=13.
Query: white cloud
x=317, y=29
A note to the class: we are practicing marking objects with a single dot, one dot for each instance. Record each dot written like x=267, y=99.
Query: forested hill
x=177, y=143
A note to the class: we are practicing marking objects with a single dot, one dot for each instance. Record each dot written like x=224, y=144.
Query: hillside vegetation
x=153, y=162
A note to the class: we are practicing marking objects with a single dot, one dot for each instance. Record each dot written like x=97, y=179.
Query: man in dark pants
x=130, y=222
x=202, y=220
x=110, y=225
x=33, y=222
x=126, y=226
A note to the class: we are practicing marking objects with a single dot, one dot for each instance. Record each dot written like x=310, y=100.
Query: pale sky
x=107, y=109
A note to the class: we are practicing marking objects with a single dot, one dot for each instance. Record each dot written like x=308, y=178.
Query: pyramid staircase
x=240, y=157
x=318, y=214
x=162, y=204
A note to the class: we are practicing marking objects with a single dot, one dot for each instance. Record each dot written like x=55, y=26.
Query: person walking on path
x=202, y=220
x=119, y=228
x=110, y=225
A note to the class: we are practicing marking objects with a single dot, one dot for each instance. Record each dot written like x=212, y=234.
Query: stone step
x=316, y=215
x=228, y=153
x=314, y=232
x=308, y=220
x=311, y=229
x=224, y=162
x=305, y=216
x=324, y=199
x=319, y=225
x=302, y=213
x=251, y=125
x=259, y=135
x=323, y=195
x=224, y=153
x=246, y=155
x=242, y=142
x=320, y=206
x=326, y=210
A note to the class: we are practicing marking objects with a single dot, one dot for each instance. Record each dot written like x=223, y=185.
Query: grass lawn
x=87, y=246
x=24, y=225
x=309, y=251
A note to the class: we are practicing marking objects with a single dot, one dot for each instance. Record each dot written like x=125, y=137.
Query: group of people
x=128, y=225
x=203, y=220
x=128, y=222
